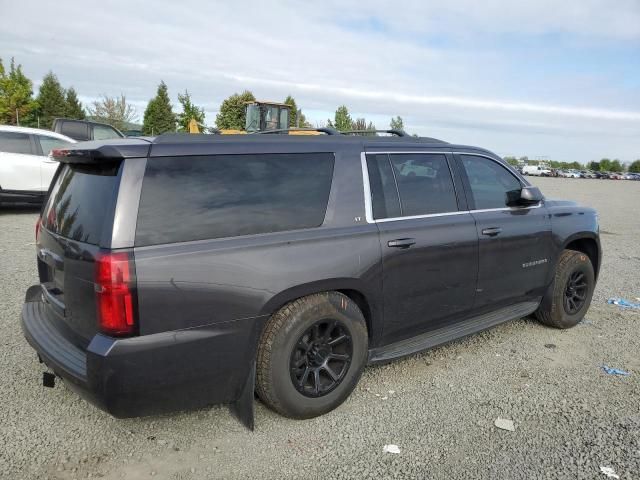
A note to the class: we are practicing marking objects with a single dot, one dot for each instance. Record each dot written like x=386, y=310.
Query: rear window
x=206, y=197
x=15, y=142
x=75, y=130
x=82, y=201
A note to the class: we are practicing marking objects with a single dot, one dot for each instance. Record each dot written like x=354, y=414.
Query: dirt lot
x=439, y=407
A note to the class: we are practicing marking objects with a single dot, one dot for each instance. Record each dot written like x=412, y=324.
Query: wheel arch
x=352, y=288
x=587, y=243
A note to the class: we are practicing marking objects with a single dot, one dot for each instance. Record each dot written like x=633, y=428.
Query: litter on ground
x=621, y=302
x=609, y=472
x=505, y=424
x=614, y=371
x=391, y=448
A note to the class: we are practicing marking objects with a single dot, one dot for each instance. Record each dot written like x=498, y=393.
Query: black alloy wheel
x=320, y=358
x=575, y=293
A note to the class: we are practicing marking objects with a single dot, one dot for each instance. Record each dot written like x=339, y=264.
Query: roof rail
x=397, y=133
x=327, y=130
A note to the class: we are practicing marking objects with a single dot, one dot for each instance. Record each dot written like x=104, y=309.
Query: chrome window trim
x=368, y=206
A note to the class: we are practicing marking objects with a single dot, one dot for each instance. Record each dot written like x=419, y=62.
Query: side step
x=450, y=333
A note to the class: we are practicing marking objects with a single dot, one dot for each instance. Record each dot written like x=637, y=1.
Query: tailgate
x=76, y=221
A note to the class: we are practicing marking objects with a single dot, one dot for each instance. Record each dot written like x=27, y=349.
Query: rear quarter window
x=207, y=197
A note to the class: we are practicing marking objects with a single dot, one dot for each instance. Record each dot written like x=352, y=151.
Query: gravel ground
x=439, y=407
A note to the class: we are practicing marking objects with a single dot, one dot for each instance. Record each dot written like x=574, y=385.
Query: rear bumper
x=149, y=374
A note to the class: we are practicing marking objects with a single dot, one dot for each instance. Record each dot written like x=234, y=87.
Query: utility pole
x=17, y=117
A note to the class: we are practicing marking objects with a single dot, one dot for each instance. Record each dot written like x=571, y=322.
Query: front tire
x=572, y=291
x=311, y=355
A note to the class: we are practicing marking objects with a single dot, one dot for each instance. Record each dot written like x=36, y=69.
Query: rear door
x=515, y=242
x=76, y=220
x=19, y=165
x=428, y=239
x=48, y=166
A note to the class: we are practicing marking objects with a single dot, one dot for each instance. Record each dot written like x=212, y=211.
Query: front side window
x=421, y=183
x=15, y=142
x=49, y=143
x=207, y=197
x=492, y=185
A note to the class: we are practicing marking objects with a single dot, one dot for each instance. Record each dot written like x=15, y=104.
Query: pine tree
x=158, y=116
x=51, y=100
x=16, y=96
x=293, y=111
x=342, y=120
x=232, y=115
x=73, y=108
x=189, y=111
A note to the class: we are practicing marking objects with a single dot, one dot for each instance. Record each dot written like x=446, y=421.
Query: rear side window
x=385, y=201
x=81, y=202
x=206, y=197
x=15, y=142
x=75, y=130
x=49, y=143
x=422, y=181
x=492, y=185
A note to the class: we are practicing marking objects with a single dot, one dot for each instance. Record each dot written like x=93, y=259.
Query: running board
x=450, y=333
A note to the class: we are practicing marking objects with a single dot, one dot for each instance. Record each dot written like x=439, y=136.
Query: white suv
x=25, y=169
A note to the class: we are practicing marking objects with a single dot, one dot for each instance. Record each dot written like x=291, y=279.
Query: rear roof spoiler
x=102, y=151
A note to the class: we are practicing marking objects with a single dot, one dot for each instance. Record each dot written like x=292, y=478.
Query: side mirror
x=525, y=197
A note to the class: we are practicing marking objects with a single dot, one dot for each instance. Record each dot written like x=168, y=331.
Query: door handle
x=492, y=231
x=401, y=242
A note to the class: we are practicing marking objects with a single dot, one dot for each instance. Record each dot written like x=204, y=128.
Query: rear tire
x=572, y=291
x=311, y=355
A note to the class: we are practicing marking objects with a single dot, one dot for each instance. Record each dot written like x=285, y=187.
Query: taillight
x=38, y=226
x=115, y=285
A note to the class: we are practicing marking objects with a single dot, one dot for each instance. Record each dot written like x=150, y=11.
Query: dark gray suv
x=183, y=271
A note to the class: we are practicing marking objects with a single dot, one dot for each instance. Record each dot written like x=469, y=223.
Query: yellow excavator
x=265, y=116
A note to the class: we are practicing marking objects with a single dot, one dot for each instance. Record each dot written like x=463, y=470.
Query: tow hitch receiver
x=48, y=380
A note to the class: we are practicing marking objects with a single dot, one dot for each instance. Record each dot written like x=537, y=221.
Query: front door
x=429, y=242
x=515, y=243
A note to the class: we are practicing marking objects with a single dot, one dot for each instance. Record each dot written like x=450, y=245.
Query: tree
x=51, y=100
x=605, y=165
x=616, y=166
x=73, y=107
x=511, y=161
x=397, y=123
x=635, y=167
x=16, y=96
x=342, y=120
x=293, y=113
x=232, y=115
x=113, y=111
x=594, y=166
x=158, y=116
x=189, y=111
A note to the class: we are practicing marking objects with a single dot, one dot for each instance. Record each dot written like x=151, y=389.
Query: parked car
x=570, y=174
x=535, y=170
x=616, y=176
x=82, y=130
x=25, y=170
x=183, y=271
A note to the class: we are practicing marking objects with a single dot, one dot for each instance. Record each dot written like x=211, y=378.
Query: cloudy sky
x=544, y=78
